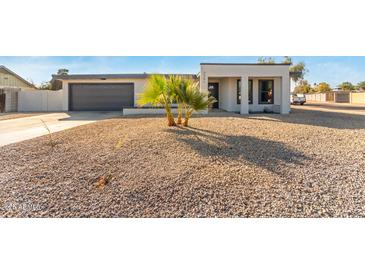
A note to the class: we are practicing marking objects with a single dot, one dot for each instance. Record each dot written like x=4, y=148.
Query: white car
x=297, y=99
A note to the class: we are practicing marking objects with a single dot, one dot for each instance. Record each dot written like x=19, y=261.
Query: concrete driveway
x=16, y=130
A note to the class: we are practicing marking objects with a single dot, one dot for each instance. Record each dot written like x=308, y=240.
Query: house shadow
x=266, y=154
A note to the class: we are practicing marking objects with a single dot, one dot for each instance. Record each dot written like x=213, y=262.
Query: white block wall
x=319, y=97
x=11, y=101
x=40, y=100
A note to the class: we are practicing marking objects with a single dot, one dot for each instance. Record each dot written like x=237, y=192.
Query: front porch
x=265, y=89
x=263, y=93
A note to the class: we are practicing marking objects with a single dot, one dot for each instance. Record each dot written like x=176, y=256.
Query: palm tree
x=157, y=93
x=193, y=99
x=182, y=97
x=173, y=86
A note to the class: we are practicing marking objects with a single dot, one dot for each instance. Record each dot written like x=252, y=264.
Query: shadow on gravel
x=263, y=153
x=335, y=120
x=318, y=118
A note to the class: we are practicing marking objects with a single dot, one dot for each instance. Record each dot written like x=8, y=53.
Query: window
x=266, y=91
x=239, y=91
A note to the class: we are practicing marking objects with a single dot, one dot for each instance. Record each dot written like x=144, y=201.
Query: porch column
x=244, y=94
x=203, y=81
x=285, y=94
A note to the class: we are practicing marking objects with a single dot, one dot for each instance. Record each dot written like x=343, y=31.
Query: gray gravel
x=307, y=164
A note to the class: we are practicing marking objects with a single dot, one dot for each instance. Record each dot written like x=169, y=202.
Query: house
x=103, y=92
x=266, y=89
x=10, y=84
x=9, y=79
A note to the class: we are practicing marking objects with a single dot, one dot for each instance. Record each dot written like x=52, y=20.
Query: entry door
x=213, y=89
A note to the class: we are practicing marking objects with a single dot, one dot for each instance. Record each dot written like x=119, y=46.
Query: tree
x=266, y=60
x=287, y=60
x=323, y=87
x=162, y=91
x=193, y=99
x=361, y=85
x=157, y=93
x=271, y=60
x=62, y=71
x=45, y=86
x=298, y=71
x=303, y=87
x=173, y=85
x=347, y=86
x=182, y=97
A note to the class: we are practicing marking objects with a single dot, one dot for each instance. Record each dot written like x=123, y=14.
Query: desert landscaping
x=307, y=164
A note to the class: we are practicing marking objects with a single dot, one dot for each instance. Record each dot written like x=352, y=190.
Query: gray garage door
x=101, y=96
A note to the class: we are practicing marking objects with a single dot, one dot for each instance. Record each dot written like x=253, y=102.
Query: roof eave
x=246, y=64
x=108, y=76
x=17, y=76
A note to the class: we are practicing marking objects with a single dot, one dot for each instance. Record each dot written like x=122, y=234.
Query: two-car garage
x=100, y=96
x=102, y=92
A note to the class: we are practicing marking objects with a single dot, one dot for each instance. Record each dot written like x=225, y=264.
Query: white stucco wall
x=11, y=101
x=228, y=94
x=139, y=85
x=227, y=74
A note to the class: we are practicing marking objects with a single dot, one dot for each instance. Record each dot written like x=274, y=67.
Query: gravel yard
x=307, y=164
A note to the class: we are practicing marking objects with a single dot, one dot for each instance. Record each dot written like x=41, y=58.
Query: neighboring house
x=266, y=89
x=9, y=79
x=10, y=84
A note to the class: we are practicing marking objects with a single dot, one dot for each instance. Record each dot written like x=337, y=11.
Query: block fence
x=343, y=97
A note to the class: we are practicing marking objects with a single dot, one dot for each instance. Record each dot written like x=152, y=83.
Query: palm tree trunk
x=170, y=117
x=171, y=120
x=187, y=117
x=179, y=114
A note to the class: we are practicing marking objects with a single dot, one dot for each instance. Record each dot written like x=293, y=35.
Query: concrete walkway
x=20, y=129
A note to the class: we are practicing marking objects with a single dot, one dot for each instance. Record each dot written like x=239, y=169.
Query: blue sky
x=333, y=70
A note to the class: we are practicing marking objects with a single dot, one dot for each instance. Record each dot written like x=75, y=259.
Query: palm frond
x=201, y=101
x=173, y=84
x=195, y=99
x=154, y=91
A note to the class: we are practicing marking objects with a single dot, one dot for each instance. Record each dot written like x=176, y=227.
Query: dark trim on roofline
x=112, y=76
x=246, y=64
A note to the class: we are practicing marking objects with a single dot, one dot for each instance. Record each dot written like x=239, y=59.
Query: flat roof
x=112, y=76
x=247, y=64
